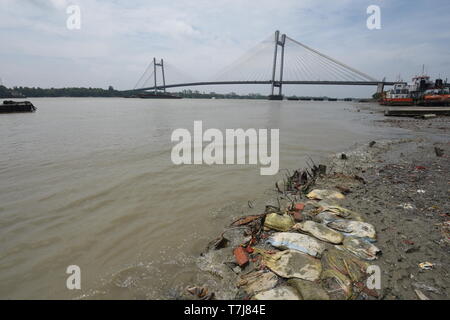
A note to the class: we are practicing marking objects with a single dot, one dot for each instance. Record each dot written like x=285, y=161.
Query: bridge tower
x=278, y=83
x=155, y=65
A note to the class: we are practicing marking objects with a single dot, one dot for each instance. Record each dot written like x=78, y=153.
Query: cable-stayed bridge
x=276, y=61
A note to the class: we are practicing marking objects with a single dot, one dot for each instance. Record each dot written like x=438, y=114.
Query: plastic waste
x=292, y=264
x=280, y=293
x=297, y=241
x=279, y=222
x=354, y=228
x=345, y=263
x=337, y=285
x=309, y=290
x=361, y=248
x=240, y=256
x=257, y=281
x=340, y=211
x=326, y=217
x=318, y=194
x=320, y=231
x=426, y=265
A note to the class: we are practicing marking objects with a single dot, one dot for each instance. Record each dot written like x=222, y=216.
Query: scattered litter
x=245, y=220
x=299, y=207
x=354, y=228
x=309, y=290
x=297, y=241
x=218, y=243
x=340, y=211
x=407, y=206
x=298, y=216
x=361, y=248
x=420, y=295
x=320, y=231
x=326, y=217
x=337, y=285
x=420, y=191
x=279, y=222
x=345, y=263
x=257, y=281
x=324, y=194
x=201, y=293
x=426, y=287
x=240, y=256
x=293, y=264
x=280, y=293
x=426, y=265
x=439, y=152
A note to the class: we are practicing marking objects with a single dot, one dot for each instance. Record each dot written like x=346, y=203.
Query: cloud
x=119, y=38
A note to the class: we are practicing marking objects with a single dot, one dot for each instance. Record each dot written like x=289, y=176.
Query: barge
x=9, y=106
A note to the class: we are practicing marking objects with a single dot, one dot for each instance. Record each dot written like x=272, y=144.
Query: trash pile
x=308, y=247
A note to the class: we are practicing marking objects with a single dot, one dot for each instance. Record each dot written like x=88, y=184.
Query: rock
x=280, y=293
x=279, y=222
x=320, y=231
x=297, y=241
x=309, y=290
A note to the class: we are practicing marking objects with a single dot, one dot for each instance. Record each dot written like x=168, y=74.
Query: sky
x=198, y=38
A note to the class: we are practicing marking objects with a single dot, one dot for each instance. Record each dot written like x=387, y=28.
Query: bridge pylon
x=278, y=83
x=155, y=65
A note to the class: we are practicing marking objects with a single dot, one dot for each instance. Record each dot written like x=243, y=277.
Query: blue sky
x=117, y=39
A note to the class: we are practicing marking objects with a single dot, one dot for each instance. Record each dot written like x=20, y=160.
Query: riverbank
x=401, y=187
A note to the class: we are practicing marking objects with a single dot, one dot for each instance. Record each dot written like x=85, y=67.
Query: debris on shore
x=385, y=204
x=307, y=246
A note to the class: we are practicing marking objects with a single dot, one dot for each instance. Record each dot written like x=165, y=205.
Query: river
x=90, y=182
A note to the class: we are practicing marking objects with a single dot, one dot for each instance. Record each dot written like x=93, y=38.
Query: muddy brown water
x=90, y=182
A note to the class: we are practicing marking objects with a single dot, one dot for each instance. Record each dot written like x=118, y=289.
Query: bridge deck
x=213, y=83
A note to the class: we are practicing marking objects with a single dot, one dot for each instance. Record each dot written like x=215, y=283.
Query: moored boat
x=9, y=106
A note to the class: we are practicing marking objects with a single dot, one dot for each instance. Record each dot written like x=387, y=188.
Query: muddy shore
x=402, y=189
